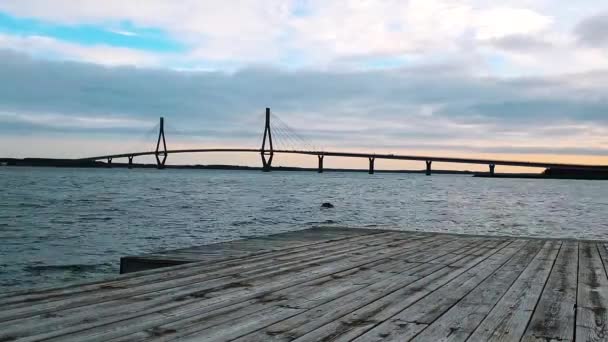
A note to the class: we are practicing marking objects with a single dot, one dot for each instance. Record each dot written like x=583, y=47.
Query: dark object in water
x=327, y=205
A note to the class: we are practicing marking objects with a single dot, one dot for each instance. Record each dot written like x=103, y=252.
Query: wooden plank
x=305, y=296
x=399, y=331
x=233, y=329
x=343, y=303
x=592, y=300
x=124, y=290
x=432, y=306
x=310, y=237
x=397, y=288
x=73, y=320
x=197, y=287
x=554, y=316
x=176, y=272
x=372, y=300
x=145, y=321
x=258, y=245
x=509, y=318
x=302, y=297
x=358, y=322
x=461, y=320
x=121, y=326
x=31, y=295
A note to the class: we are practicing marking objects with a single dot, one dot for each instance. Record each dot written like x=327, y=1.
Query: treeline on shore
x=552, y=173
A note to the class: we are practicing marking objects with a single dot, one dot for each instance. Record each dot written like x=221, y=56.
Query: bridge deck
x=336, y=285
x=368, y=155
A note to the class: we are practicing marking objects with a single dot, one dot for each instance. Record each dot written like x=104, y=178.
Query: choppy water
x=60, y=225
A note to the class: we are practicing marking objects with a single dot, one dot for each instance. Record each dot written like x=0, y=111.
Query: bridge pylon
x=160, y=163
x=267, y=153
x=320, y=156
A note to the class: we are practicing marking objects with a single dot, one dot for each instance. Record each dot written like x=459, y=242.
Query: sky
x=515, y=79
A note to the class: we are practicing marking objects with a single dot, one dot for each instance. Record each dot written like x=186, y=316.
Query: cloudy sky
x=515, y=79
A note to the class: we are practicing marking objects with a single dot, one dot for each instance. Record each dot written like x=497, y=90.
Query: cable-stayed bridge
x=300, y=146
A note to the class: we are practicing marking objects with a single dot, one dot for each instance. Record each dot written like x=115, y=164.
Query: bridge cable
x=307, y=143
x=294, y=136
x=285, y=141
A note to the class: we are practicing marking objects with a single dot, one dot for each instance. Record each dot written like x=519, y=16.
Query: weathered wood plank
x=509, y=318
x=194, y=324
x=377, y=312
x=385, y=286
x=341, y=318
x=310, y=237
x=400, y=331
x=346, y=303
x=305, y=296
x=147, y=277
x=123, y=291
x=30, y=295
x=592, y=300
x=143, y=321
x=432, y=306
x=553, y=318
x=461, y=319
x=72, y=320
x=309, y=298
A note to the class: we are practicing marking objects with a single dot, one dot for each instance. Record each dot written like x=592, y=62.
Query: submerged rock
x=327, y=205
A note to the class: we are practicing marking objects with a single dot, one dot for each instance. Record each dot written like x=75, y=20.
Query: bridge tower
x=267, y=154
x=320, y=156
x=160, y=163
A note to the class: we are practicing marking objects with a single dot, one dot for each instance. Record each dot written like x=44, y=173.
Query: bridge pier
x=371, y=165
x=266, y=164
x=109, y=162
x=321, y=162
x=492, y=167
x=130, y=161
x=160, y=163
x=428, y=167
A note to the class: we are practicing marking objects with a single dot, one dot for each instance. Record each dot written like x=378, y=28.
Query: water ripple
x=60, y=225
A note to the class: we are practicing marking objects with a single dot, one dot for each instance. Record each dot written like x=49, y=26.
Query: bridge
x=267, y=152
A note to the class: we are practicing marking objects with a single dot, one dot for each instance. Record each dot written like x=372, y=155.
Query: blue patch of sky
x=496, y=63
x=293, y=59
x=394, y=26
x=123, y=34
x=301, y=8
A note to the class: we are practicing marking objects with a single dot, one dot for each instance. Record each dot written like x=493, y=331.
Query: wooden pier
x=331, y=284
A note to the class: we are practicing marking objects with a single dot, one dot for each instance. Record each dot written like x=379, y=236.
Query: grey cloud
x=520, y=43
x=543, y=111
x=593, y=30
x=216, y=105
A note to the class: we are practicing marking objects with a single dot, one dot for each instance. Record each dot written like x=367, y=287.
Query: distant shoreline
x=47, y=162
x=547, y=174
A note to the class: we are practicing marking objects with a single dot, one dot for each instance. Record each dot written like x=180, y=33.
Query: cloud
x=304, y=34
x=49, y=48
x=499, y=22
x=71, y=121
x=520, y=43
x=211, y=31
x=592, y=31
x=372, y=109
